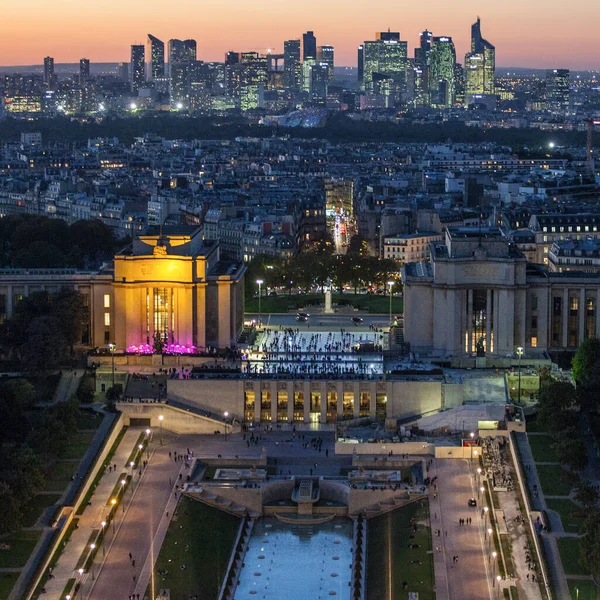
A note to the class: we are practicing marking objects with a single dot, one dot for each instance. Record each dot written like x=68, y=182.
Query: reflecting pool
x=297, y=562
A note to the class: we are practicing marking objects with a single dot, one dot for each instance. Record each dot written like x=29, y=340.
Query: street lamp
x=391, y=285
x=259, y=282
x=160, y=419
x=485, y=512
x=103, y=544
x=519, y=354
x=482, y=490
x=225, y=414
x=141, y=449
x=478, y=475
x=148, y=438
x=489, y=531
x=493, y=555
x=92, y=546
x=123, y=482
x=112, y=347
x=498, y=579
x=113, y=502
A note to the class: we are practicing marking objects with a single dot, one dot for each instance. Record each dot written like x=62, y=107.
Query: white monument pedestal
x=328, y=308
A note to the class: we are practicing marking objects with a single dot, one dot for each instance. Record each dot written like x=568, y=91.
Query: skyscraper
x=84, y=70
x=156, y=54
x=48, y=69
x=361, y=67
x=558, y=90
x=387, y=56
x=309, y=46
x=325, y=54
x=442, y=60
x=137, y=67
x=181, y=51
x=421, y=86
x=480, y=66
x=292, y=64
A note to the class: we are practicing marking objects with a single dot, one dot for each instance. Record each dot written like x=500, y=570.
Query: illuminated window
x=107, y=319
x=534, y=341
x=106, y=300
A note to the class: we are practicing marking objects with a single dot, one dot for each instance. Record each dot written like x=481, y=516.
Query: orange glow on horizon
x=533, y=34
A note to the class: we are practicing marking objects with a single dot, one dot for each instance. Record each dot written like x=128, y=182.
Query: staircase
x=209, y=497
x=386, y=505
x=236, y=561
x=359, y=560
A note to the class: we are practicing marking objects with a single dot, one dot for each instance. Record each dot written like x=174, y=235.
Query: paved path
x=467, y=578
x=555, y=567
x=90, y=519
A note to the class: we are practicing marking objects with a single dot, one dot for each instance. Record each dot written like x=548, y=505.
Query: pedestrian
x=130, y=556
x=134, y=579
x=133, y=563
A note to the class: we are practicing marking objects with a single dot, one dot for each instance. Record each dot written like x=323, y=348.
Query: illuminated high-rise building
x=361, y=67
x=84, y=70
x=48, y=69
x=156, y=54
x=309, y=46
x=137, y=67
x=181, y=51
x=480, y=66
x=325, y=54
x=558, y=90
x=441, y=74
x=387, y=56
x=292, y=65
x=421, y=87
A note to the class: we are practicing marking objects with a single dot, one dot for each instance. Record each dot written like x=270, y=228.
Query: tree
x=68, y=308
x=10, y=515
x=554, y=406
x=45, y=347
x=590, y=544
x=586, y=359
x=586, y=493
x=572, y=451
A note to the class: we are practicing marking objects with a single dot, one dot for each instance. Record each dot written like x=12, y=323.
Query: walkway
x=90, y=520
x=555, y=566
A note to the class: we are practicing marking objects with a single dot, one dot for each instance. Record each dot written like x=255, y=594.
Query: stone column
x=356, y=391
x=339, y=390
x=565, y=318
x=200, y=316
x=470, y=320
x=306, y=388
x=581, y=315
x=290, y=401
x=520, y=308
x=323, y=390
x=496, y=316
x=257, y=400
x=373, y=400
x=488, y=322
x=274, y=394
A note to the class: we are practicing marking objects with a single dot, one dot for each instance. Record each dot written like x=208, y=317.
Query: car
x=302, y=314
x=301, y=319
x=472, y=502
x=356, y=320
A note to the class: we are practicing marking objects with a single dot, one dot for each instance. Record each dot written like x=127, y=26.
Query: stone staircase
x=209, y=497
x=386, y=505
x=359, y=560
x=236, y=561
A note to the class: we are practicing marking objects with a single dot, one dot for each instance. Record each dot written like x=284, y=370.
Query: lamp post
x=103, y=544
x=485, y=512
x=498, y=579
x=259, y=282
x=482, y=490
x=493, y=555
x=478, y=476
x=160, y=420
x=489, y=532
x=92, y=546
x=519, y=354
x=225, y=414
x=80, y=571
x=391, y=286
x=113, y=502
x=112, y=347
x=148, y=432
x=141, y=449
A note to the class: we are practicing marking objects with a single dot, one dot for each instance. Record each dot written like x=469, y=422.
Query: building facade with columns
x=170, y=287
x=478, y=296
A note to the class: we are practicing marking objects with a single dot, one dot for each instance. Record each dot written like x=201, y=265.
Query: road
x=324, y=322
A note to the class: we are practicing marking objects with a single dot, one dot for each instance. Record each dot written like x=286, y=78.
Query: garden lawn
x=568, y=548
x=7, y=582
x=588, y=590
x=59, y=475
x=33, y=510
x=21, y=545
x=89, y=419
x=565, y=508
x=78, y=444
x=281, y=304
x=555, y=480
x=201, y=538
x=396, y=525
x=541, y=448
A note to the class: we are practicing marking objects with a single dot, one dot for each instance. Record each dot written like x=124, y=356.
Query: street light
x=113, y=502
x=485, y=512
x=92, y=546
x=103, y=544
x=259, y=282
x=391, y=284
x=141, y=449
x=112, y=347
x=160, y=420
x=489, y=531
x=225, y=414
x=493, y=555
x=482, y=490
x=519, y=354
x=478, y=475
x=498, y=579
x=123, y=482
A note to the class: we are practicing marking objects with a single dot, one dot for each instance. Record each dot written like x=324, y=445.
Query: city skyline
x=32, y=31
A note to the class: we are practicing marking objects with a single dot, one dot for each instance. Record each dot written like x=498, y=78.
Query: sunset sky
x=529, y=33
